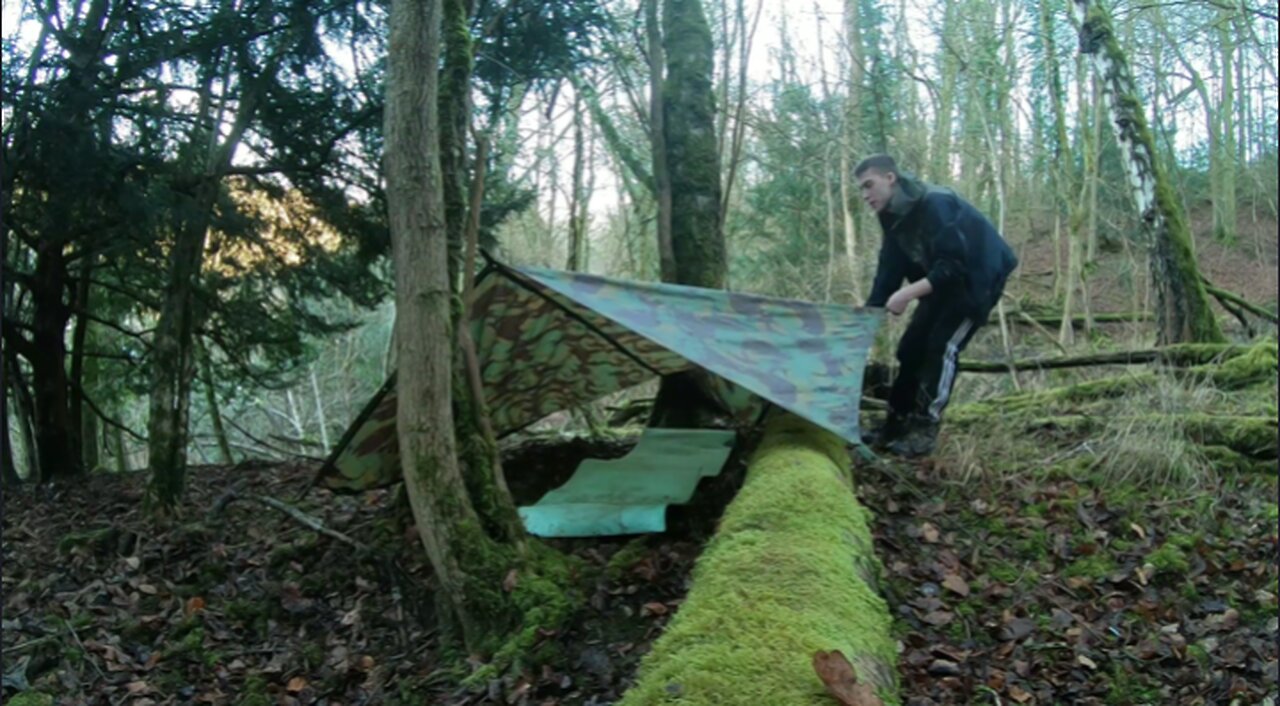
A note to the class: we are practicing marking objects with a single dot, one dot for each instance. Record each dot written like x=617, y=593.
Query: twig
x=313, y=523
x=267, y=446
x=85, y=650
x=31, y=643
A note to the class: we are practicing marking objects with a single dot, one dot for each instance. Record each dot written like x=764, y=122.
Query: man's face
x=877, y=187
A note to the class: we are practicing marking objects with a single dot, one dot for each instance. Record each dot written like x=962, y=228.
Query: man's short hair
x=882, y=163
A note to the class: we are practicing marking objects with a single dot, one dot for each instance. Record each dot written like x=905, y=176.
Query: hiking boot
x=919, y=439
x=893, y=427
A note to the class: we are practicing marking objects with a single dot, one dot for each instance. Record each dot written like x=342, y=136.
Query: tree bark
x=455, y=116
x=658, y=140
x=448, y=525
x=54, y=443
x=1183, y=313
x=215, y=413
x=791, y=571
x=693, y=167
x=25, y=405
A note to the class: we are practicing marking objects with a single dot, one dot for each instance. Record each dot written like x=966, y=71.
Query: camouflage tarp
x=550, y=340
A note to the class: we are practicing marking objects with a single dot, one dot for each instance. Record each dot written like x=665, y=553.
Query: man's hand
x=898, y=302
x=900, y=299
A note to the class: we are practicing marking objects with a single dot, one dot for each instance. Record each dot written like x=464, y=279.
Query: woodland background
x=198, y=298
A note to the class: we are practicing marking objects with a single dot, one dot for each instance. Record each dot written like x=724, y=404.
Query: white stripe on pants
x=948, y=376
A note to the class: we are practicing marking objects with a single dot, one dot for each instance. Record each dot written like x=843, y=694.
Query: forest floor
x=1024, y=589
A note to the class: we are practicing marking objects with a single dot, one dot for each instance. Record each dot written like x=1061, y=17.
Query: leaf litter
x=1057, y=590
x=1006, y=591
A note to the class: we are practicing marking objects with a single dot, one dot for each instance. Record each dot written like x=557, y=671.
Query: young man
x=956, y=265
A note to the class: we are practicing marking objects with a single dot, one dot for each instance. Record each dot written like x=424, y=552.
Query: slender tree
x=1183, y=313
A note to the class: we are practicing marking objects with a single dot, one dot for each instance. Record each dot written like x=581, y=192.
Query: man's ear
x=890, y=178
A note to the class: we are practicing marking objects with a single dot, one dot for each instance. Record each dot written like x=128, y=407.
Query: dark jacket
x=931, y=232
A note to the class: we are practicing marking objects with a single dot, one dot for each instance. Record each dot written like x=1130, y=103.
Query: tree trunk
x=577, y=198
x=1224, y=181
x=22, y=399
x=9, y=468
x=90, y=446
x=455, y=116
x=481, y=467
x=791, y=571
x=658, y=140
x=940, y=150
x=53, y=428
x=79, y=334
x=173, y=353
x=693, y=168
x=215, y=413
x=447, y=523
x=1183, y=313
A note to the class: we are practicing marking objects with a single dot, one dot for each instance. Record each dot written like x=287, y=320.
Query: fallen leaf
x=1019, y=694
x=944, y=668
x=955, y=584
x=654, y=608
x=939, y=618
x=195, y=604
x=137, y=687
x=1086, y=662
x=1017, y=628
x=929, y=533
x=837, y=675
x=148, y=589
x=296, y=684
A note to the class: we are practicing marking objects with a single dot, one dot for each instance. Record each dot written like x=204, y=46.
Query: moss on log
x=1233, y=368
x=791, y=571
x=1251, y=437
x=1182, y=354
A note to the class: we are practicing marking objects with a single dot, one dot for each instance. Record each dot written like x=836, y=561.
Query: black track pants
x=929, y=355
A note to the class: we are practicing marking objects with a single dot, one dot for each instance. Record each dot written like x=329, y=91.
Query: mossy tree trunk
x=693, y=172
x=453, y=504
x=455, y=115
x=690, y=137
x=478, y=451
x=791, y=571
x=658, y=140
x=1183, y=313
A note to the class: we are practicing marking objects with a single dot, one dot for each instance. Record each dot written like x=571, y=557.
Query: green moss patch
x=776, y=584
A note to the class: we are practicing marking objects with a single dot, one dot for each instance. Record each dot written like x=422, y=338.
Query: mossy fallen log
x=1253, y=437
x=791, y=571
x=1250, y=437
x=1179, y=355
x=1227, y=298
x=1079, y=320
x=1234, y=368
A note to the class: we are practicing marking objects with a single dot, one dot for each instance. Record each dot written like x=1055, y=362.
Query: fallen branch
x=1179, y=355
x=1079, y=320
x=1223, y=297
x=421, y=605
